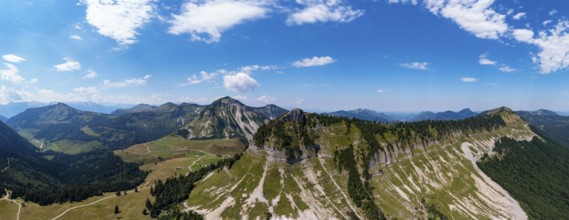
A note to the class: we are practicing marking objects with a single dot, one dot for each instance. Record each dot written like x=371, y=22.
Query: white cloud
x=10, y=74
x=414, y=2
x=519, y=16
x=380, y=91
x=9, y=94
x=135, y=81
x=119, y=19
x=323, y=11
x=212, y=18
x=483, y=60
x=469, y=79
x=552, y=12
x=299, y=101
x=314, y=61
x=75, y=37
x=91, y=74
x=474, y=16
x=239, y=82
x=12, y=58
x=553, y=45
x=523, y=35
x=266, y=99
x=32, y=81
x=252, y=68
x=69, y=65
x=416, y=65
x=204, y=76
x=546, y=22
x=507, y=69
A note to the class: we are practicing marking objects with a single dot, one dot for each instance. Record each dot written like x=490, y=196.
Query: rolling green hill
x=65, y=129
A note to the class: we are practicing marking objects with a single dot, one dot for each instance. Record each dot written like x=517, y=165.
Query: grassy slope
x=178, y=155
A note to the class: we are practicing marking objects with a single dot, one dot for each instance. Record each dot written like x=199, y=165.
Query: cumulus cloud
x=469, y=79
x=553, y=45
x=239, y=82
x=10, y=74
x=10, y=94
x=380, y=91
x=323, y=11
x=91, y=74
x=416, y=65
x=483, y=60
x=240, y=97
x=204, y=76
x=314, y=61
x=69, y=65
x=207, y=20
x=266, y=99
x=119, y=19
x=519, y=16
x=474, y=16
x=12, y=58
x=299, y=101
x=129, y=82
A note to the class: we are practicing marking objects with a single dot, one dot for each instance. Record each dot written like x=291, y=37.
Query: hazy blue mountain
x=14, y=108
x=445, y=116
x=364, y=114
x=3, y=119
x=134, y=109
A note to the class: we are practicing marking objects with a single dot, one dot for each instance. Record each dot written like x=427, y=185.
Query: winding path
x=14, y=201
x=81, y=206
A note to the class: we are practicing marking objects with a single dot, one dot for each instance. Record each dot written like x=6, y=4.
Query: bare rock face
x=294, y=115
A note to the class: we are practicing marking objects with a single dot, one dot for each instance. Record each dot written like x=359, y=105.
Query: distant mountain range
x=555, y=125
x=371, y=115
x=3, y=119
x=14, y=108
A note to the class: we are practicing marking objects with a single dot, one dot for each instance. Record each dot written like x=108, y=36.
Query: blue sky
x=387, y=55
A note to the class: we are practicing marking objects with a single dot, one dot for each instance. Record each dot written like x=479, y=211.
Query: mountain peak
x=294, y=115
x=227, y=101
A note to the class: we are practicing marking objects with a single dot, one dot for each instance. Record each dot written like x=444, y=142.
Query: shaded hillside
x=3, y=119
x=535, y=172
x=65, y=129
x=29, y=175
x=554, y=125
x=229, y=118
x=310, y=166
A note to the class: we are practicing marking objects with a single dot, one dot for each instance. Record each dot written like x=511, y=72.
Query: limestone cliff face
x=413, y=170
x=229, y=118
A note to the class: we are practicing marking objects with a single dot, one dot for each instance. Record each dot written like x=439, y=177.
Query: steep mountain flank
x=554, y=125
x=229, y=118
x=314, y=166
x=62, y=128
x=61, y=178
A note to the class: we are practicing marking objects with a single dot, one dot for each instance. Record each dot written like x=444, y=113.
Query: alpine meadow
x=280, y=109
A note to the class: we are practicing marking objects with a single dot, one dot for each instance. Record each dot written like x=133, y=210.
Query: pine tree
x=148, y=204
x=144, y=212
x=117, y=209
